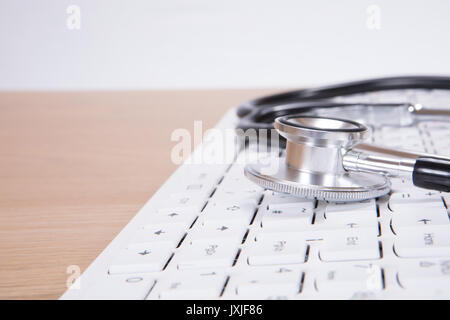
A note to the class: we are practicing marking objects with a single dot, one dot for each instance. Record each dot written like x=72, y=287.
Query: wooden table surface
x=75, y=167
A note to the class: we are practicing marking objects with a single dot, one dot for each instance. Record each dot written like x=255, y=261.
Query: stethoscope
x=326, y=158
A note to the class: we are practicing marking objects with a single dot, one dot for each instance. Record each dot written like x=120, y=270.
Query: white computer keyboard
x=209, y=233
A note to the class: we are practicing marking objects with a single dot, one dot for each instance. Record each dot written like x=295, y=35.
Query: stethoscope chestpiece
x=320, y=131
x=316, y=144
x=313, y=165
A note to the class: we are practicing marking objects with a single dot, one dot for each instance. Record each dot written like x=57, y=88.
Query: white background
x=168, y=44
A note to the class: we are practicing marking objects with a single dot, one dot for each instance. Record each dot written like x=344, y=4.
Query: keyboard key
x=359, y=217
x=187, y=201
x=426, y=241
x=425, y=275
x=233, y=212
x=310, y=234
x=199, y=186
x=264, y=235
x=399, y=185
x=294, y=218
x=405, y=144
x=370, y=231
x=347, y=246
x=405, y=200
x=225, y=195
x=278, y=201
x=277, y=283
x=202, y=173
x=396, y=133
x=348, y=224
x=121, y=287
x=157, y=233
x=230, y=182
x=173, y=217
x=141, y=258
x=354, y=279
x=231, y=232
x=271, y=251
x=419, y=217
x=190, y=285
x=360, y=210
x=205, y=254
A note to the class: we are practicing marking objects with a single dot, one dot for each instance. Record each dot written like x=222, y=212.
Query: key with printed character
x=277, y=251
x=172, y=216
x=415, y=199
x=403, y=220
x=121, y=287
x=191, y=285
x=276, y=283
x=233, y=212
x=206, y=253
x=425, y=275
x=295, y=217
x=347, y=246
x=278, y=201
x=426, y=241
x=351, y=281
x=160, y=233
x=232, y=232
x=140, y=258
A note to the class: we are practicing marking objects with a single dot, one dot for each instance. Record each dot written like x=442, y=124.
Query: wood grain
x=75, y=167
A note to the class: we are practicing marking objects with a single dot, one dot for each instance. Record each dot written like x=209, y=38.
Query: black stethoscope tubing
x=260, y=113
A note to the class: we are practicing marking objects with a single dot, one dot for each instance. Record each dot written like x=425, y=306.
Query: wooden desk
x=76, y=167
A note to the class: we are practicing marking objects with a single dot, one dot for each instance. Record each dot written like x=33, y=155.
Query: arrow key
x=139, y=258
x=170, y=216
x=232, y=232
x=154, y=233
